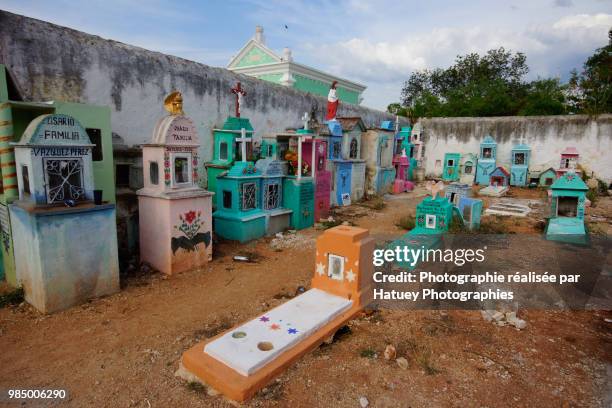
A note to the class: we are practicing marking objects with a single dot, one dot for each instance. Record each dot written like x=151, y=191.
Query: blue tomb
x=486, y=161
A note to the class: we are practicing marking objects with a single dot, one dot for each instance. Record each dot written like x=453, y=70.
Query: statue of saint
x=174, y=103
x=332, y=102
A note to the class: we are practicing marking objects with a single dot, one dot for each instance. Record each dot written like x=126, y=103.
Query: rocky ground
x=123, y=350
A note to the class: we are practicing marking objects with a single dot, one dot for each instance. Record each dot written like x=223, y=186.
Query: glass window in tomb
x=249, y=196
x=353, y=149
x=64, y=179
x=154, y=172
x=336, y=150
x=227, y=199
x=567, y=206
x=335, y=267
x=25, y=177
x=181, y=170
x=271, y=196
x=519, y=158
x=223, y=151
x=487, y=152
x=95, y=135
x=468, y=168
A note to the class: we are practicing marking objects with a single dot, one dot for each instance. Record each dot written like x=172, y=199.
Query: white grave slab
x=246, y=349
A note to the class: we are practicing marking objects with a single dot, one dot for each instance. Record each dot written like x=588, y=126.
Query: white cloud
x=549, y=48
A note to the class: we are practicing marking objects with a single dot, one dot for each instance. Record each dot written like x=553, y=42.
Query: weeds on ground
x=13, y=297
x=407, y=222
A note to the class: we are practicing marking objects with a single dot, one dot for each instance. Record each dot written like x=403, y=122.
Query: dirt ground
x=123, y=350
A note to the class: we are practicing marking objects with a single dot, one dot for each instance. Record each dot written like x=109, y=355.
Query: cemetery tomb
x=401, y=182
x=278, y=218
x=566, y=221
x=455, y=191
x=486, y=161
x=467, y=168
x=498, y=184
x=569, y=162
x=239, y=215
x=244, y=359
x=55, y=217
x=315, y=156
x=520, y=165
x=547, y=177
x=470, y=210
x=508, y=208
x=15, y=116
x=175, y=213
x=451, y=167
x=378, y=145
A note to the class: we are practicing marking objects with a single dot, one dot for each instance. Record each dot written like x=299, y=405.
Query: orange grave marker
x=244, y=359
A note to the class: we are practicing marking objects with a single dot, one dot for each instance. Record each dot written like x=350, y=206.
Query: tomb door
x=181, y=169
x=64, y=179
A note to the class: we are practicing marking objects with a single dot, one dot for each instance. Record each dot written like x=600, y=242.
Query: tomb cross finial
x=240, y=93
x=243, y=140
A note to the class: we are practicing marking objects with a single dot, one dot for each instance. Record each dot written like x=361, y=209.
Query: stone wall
x=546, y=135
x=50, y=62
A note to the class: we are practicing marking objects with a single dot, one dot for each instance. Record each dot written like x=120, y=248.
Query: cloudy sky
x=377, y=43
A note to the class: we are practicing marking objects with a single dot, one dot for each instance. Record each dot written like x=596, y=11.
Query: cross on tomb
x=240, y=93
x=243, y=140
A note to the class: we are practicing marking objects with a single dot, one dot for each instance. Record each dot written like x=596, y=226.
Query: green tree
x=544, y=97
x=591, y=90
x=489, y=85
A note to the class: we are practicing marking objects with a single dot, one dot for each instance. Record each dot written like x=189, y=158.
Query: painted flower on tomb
x=189, y=226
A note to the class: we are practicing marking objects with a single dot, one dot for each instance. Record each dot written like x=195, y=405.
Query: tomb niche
x=65, y=244
x=174, y=212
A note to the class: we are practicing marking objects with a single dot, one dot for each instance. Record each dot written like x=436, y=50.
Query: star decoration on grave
x=350, y=275
x=264, y=319
x=292, y=331
x=320, y=269
x=274, y=326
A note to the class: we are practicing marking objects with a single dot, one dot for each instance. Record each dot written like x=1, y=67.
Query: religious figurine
x=332, y=102
x=174, y=103
x=240, y=93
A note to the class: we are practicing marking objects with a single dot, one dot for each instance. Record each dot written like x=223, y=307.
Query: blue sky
x=377, y=43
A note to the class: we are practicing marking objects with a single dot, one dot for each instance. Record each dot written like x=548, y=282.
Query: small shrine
x=352, y=129
x=435, y=213
x=470, y=210
x=278, y=218
x=239, y=215
x=15, y=116
x=403, y=142
x=227, y=141
x=299, y=188
x=519, y=167
x=418, y=145
x=569, y=162
x=340, y=169
x=487, y=161
x=64, y=235
x=456, y=191
x=433, y=218
x=566, y=222
x=467, y=168
x=547, y=177
x=175, y=213
x=451, y=167
x=315, y=156
x=499, y=182
x=378, y=146
x=242, y=360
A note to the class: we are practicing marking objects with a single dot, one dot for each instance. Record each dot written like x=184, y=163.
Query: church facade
x=257, y=60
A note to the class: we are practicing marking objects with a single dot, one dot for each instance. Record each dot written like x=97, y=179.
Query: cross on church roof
x=240, y=93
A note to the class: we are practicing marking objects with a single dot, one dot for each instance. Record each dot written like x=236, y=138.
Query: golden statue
x=174, y=103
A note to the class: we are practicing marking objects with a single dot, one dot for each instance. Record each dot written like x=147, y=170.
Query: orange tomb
x=244, y=359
